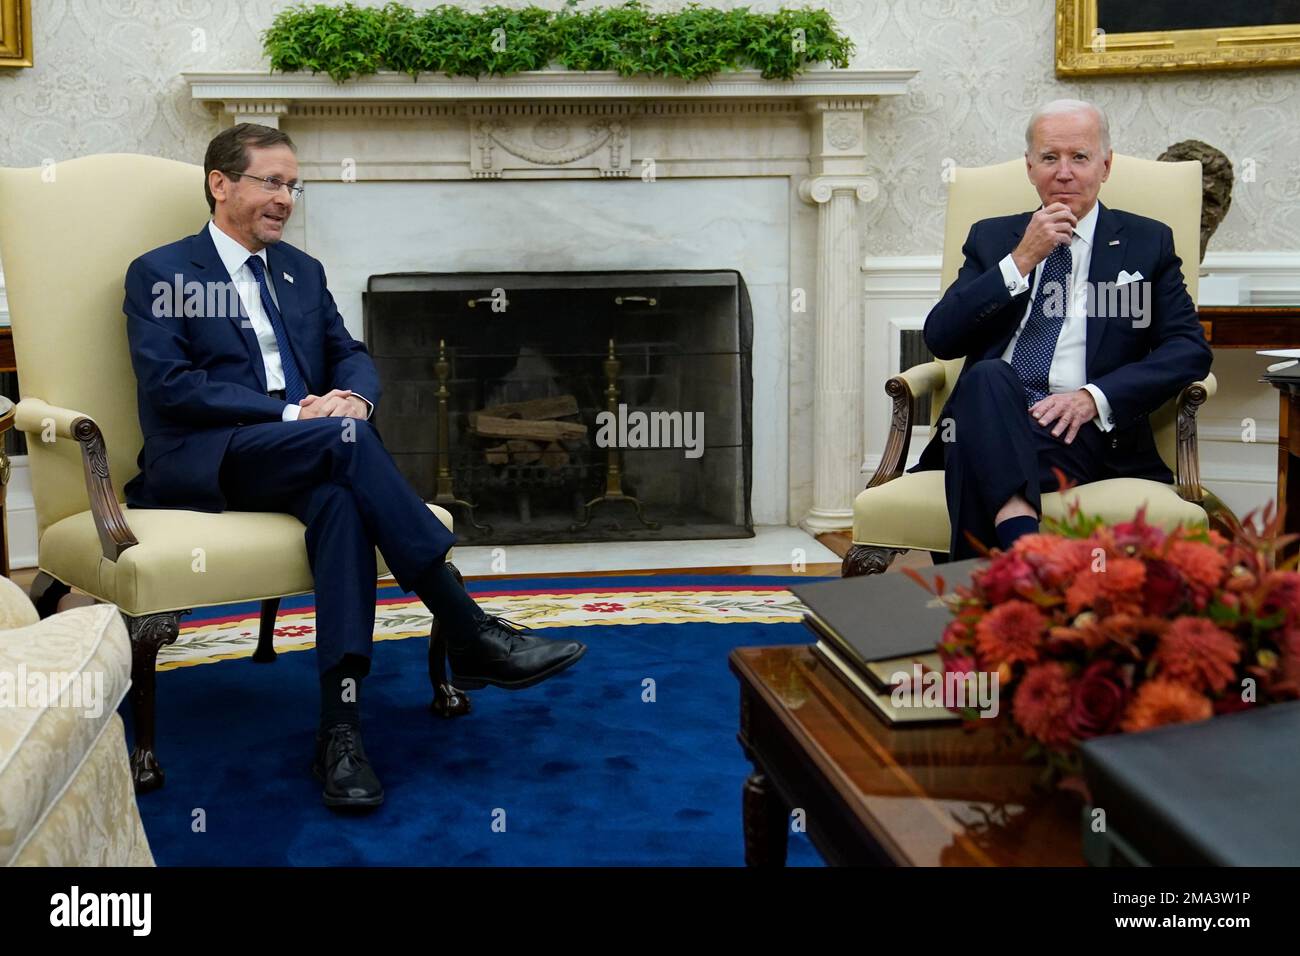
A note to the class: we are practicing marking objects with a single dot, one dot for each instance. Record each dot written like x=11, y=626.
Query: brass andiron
x=445, y=495
x=613, y=460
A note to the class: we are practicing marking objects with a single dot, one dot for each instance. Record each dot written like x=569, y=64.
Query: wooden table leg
x=767, y=823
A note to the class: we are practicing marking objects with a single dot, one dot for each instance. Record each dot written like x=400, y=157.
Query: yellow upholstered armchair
x=67, y=234
x=898, y=511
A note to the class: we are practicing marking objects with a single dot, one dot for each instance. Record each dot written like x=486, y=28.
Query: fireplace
x=770, y=178
x=570, y=406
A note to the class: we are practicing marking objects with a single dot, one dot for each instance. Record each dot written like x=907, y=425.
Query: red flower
x=1165, y=591
x=1231, y=704
x=603, y=607
x=1009, y=633
x=1197, y=652
x=1042, y=703
x=1098, y=701
x=956, y=634
x=1283, y=595
x=1137, y=536
x=1005, y=577
x=959, y=663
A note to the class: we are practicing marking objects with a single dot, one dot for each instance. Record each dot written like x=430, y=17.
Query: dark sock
x=444, y=596
x=340, y=702
x=1011, y=529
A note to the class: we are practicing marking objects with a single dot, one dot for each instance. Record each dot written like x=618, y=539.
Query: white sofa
x=66, y=795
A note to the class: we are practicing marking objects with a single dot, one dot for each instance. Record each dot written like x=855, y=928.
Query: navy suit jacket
x=1137, y=365
x=198, y=367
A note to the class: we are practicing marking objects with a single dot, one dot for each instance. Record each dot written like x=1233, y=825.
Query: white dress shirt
x=1069, y=371
x=235, y=258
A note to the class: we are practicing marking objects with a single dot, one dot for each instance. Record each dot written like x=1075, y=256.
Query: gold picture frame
x=1085, y=49
x=15, y=33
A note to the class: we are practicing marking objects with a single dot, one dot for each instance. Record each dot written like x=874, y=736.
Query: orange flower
x=1009, y=633
x=1202, y=565
x=1197, y=652
x=1054, y=559
x=1116, y=590
x=1042, y=703
x=1159, y=702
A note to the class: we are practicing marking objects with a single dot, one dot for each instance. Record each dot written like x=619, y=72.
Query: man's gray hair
x=1058, y=107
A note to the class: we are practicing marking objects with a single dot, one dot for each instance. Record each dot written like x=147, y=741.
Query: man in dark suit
x=1075, y=325
x=254, y=397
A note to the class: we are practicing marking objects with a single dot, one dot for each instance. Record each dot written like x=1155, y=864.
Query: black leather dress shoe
x=503, y=656
x=341, y=765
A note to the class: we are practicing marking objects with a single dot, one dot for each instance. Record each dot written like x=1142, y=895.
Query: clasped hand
x=337, y=403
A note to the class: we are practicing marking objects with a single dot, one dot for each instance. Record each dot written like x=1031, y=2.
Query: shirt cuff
x=290, y=413
x=370, y=406
x=1011, y=277
x=1105, y=419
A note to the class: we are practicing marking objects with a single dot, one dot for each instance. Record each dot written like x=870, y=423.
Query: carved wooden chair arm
x=1188, y=476
x=35, y=418
x=924, y=379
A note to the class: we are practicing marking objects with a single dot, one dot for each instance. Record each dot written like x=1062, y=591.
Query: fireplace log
x=516, y=451
x=523, y=452
x=555, y=456
x=491, y=427
x=556, y=406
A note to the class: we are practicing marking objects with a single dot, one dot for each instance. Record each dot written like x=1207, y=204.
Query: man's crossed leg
x=335, y=476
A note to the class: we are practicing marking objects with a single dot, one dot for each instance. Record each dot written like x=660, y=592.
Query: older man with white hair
x=1053, y=380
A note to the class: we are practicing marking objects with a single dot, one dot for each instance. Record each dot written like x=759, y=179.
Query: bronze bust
x=1216, y=179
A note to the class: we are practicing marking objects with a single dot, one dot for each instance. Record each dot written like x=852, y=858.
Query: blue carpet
x=582, y=771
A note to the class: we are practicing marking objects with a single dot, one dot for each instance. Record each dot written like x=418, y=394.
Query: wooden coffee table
x=939, y=796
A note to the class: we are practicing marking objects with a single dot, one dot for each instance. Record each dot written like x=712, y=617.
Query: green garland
x=693, y=43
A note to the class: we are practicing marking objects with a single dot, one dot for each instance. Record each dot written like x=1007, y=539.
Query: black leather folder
x=1223, y=791
x=878, y=622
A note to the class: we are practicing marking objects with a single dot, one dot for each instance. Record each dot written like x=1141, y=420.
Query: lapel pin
x=287, y=277
x=1113, y=242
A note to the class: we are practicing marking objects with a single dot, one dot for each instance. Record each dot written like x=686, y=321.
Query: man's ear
x=217, y=185
x=1110, y=156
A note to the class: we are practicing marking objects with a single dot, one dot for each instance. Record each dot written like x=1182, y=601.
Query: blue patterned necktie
x=1032, y=358
x=294, y=389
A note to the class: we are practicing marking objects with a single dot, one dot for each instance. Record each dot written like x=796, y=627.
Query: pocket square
x=1125, y=277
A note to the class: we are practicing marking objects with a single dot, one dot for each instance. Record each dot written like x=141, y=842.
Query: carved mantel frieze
x=513, y=137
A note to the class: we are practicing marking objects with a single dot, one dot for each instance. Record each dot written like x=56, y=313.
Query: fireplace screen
x=569, y=406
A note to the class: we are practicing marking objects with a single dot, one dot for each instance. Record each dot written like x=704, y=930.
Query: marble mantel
x=562, y=125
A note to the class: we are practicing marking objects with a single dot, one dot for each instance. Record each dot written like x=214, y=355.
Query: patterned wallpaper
x=107, y=79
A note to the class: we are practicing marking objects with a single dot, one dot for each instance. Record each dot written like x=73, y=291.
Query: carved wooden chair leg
x=448, y=701
x=46, y=593
x=265, y=652
x=148, y=635
x=863, y=559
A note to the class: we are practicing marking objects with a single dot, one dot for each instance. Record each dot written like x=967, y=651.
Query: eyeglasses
x=271, y=184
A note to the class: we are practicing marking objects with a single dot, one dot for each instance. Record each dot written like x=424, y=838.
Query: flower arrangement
x=1096, y=630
